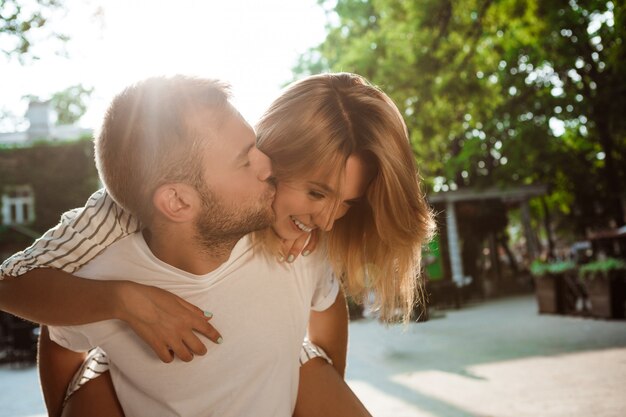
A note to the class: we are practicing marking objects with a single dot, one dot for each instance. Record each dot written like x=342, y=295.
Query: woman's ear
x=176, y=202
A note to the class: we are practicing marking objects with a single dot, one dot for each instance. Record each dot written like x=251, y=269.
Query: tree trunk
x=502, y=240
x=611, y=176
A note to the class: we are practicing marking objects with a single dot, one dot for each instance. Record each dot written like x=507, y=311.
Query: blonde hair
x=317, y=123
x=146, y=139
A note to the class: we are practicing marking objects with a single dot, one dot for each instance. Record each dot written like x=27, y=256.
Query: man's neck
x=183, y=251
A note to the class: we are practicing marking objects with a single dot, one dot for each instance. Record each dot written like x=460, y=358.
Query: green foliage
x=71, y=103
x=22, y=21
x=539, y=268
x=11, y=122
x=480, y=82
x=601, y=267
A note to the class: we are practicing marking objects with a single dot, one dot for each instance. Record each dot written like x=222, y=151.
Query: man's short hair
x=147, y=140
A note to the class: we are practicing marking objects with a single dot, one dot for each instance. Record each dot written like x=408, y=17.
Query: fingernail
x=291, y=258
x=281, y=258
x=219, y=340
x=208, y=314
x=306, y=253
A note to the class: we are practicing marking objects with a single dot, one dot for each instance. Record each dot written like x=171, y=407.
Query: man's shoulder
x=115, y=256
x=127, y=245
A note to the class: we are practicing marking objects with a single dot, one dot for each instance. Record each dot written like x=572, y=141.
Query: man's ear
x=177, y=202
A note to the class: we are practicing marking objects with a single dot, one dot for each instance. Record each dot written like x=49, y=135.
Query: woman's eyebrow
x=323, y=186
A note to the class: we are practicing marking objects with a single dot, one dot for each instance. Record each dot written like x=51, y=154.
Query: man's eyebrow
x=244, y=152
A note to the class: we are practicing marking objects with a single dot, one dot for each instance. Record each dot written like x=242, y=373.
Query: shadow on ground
x=492, y=332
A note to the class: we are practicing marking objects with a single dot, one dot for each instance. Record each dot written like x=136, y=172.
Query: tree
x=71, y=103
x=584, y=44
x=485, y=87
x=20, y=21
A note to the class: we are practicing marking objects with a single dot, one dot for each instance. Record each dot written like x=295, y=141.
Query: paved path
x=495, y=359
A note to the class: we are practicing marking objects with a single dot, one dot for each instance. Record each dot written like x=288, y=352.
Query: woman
x=324, y=134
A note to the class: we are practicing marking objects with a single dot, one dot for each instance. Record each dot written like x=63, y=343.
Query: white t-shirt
x=261, y=308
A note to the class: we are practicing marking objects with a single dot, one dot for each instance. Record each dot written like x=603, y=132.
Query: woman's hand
x=165, y=321
x=304, y=245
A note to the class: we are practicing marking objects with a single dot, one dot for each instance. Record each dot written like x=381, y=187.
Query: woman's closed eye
x=353, y=202
x=316, y=195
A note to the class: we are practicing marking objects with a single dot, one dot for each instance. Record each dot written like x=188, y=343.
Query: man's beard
x=219, y=227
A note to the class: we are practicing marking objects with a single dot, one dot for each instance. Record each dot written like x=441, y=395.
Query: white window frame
x=18, y=205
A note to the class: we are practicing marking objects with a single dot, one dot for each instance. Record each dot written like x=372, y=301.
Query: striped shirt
x=81, y=235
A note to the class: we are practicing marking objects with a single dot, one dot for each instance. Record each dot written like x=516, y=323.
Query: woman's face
x=316, y=201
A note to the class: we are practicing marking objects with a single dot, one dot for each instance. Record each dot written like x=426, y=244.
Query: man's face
x=237, y=197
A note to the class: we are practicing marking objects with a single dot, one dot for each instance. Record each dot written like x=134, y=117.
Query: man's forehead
x=216, y=119
x=236, y=113
x=230, y=140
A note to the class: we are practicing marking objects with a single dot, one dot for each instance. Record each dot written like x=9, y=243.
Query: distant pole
x=528, y=231
x=453, y=245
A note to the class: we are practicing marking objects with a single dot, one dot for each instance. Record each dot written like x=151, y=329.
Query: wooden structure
x=520, y=195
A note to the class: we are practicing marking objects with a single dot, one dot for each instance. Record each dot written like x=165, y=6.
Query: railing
x=581, y=291
x=18, y=340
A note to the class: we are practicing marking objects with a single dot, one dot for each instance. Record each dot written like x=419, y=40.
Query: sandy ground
x=494, y=359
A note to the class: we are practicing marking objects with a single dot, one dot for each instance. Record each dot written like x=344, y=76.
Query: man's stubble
x=219, y=226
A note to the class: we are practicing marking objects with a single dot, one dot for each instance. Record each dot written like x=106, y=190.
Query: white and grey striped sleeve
x=81, y=235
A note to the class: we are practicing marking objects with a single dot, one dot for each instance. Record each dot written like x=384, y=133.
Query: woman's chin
x=286, y=235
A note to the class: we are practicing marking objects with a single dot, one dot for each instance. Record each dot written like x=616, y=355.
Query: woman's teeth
x=302, y=226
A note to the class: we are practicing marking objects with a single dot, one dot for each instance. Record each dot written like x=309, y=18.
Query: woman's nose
x=325, y=219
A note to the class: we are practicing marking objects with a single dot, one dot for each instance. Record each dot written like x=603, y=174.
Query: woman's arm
x=51, y=296
x=329, y=330
x=57, y=367
x=163, y=320
x=322, y=390
x=78, y=238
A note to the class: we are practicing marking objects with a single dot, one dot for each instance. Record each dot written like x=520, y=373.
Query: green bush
x=539, y=268
x=604, y=266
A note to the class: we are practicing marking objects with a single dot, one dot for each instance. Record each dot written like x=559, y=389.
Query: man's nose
x=263, y=166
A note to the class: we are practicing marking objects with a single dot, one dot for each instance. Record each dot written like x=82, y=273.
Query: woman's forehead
x=346, y=180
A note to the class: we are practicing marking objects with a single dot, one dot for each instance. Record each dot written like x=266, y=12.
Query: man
x=178, y=156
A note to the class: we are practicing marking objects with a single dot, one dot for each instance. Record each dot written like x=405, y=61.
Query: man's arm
x=329, y=330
